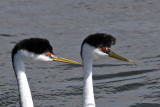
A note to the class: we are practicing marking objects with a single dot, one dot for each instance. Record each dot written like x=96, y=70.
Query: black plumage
x=35, y=45
x=98, y=40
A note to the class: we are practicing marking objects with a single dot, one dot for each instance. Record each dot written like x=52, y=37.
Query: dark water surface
x=134, y=23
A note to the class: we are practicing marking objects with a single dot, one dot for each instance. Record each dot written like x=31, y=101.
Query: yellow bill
x=55, y=58
x=113, y=55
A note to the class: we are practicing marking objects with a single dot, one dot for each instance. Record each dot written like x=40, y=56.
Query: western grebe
x=95, y=46
x=33, y=49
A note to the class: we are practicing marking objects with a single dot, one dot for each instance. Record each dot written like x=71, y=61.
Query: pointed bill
x=55, y=58
x=113, y=55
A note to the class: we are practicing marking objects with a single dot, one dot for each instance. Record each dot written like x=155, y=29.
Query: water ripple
x=7, y=35
x=146, y=105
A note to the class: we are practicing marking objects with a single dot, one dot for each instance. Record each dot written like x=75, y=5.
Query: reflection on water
x=135, y=24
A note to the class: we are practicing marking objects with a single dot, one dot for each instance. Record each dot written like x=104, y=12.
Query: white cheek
x=42, y=58
x=27, y=56
x=99, y=54
x=92, y=52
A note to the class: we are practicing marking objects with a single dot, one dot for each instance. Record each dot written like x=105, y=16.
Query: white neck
x=88, y=94
x=25, y=94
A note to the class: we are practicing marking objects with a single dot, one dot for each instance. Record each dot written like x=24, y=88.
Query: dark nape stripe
x=99, y=40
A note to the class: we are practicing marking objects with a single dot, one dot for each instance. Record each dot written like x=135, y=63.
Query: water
x=134, y=23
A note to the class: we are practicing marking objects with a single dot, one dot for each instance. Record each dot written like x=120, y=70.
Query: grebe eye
x=48, y=54
x=103, y=48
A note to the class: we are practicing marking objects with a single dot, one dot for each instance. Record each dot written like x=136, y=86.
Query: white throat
x=88, y=94
x=25, y=94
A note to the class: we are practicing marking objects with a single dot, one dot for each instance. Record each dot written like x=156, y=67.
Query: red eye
x=103, y=48
x=48, y=54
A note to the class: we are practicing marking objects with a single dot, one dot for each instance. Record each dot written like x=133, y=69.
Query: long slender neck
x=88, y=94
x=25, y=94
